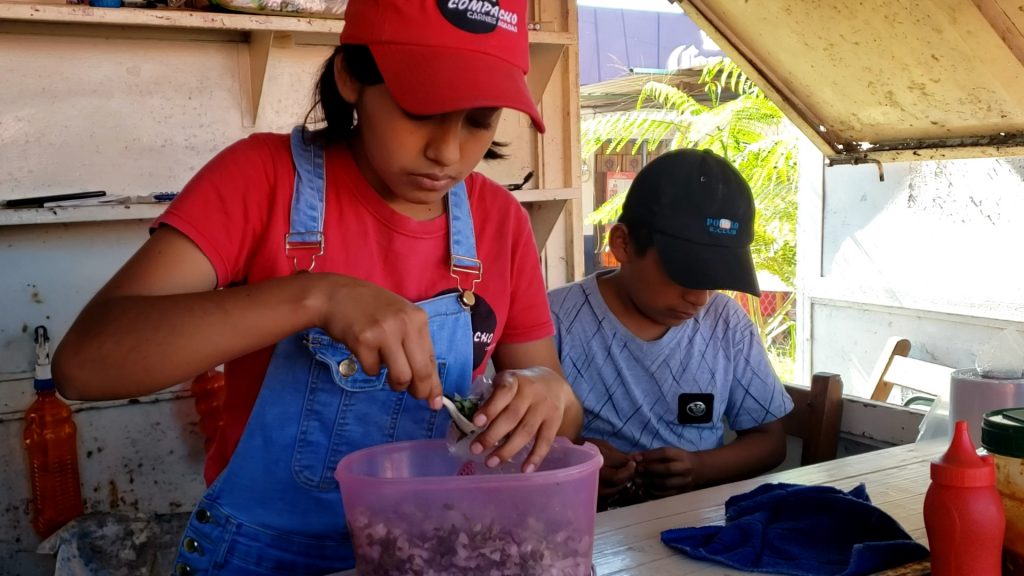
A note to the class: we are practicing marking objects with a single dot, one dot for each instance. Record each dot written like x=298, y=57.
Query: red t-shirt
x=236, y=209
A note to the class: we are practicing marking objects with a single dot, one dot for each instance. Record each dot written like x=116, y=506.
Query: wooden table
x=628, y=540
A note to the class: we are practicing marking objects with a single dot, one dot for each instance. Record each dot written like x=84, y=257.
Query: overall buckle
x=466, y=265
x=297, y=249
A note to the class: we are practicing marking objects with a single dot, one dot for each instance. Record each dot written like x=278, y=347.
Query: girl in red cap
x=346, y=276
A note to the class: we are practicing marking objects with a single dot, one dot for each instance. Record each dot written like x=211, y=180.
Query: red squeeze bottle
x=50, y=442
x=963, y=513
x=208, y=393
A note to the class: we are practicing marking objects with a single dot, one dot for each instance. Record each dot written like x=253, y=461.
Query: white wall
x=931, y=254
x=129, y=117
x=133, y=458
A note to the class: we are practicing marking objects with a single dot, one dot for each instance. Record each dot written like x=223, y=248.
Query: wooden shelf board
x=545, y=195
x=551, y=37
x=200, y=20
x=166, y=18
x=71, y=214
x=257, y=29
x=113, y=212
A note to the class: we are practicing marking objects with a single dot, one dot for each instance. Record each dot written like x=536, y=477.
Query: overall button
x=182, y=570
x=348, y=367
x=202, y=516
x=191, y=545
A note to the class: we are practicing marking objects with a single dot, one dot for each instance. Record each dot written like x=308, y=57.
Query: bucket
x=409, y=512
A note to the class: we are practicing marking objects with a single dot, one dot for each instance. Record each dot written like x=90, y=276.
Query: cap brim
x=430, y=80
x=707, y=267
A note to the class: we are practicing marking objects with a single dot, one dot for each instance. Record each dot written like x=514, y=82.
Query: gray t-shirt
x=635, y=394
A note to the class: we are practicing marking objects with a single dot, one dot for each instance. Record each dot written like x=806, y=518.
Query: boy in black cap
x=657, y=357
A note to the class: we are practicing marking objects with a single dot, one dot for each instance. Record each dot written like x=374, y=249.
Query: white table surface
x=628, y=540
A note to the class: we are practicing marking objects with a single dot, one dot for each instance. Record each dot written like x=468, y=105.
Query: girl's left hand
x=525, y=405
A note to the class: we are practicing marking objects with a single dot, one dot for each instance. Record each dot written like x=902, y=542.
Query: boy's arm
x=669, y=471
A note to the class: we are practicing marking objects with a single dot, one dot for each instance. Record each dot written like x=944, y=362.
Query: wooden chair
x=816, y=416
x=894, y=368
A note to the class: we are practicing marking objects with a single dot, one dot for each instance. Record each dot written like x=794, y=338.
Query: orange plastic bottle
x=208, y=393
x=50, y=440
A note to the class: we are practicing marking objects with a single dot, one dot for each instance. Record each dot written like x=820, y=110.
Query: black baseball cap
x=700, y=212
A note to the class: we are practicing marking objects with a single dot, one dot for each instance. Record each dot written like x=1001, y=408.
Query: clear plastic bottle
x=50, y=439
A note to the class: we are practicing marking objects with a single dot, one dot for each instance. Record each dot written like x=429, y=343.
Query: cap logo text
x=478, y=16
x=723, y=226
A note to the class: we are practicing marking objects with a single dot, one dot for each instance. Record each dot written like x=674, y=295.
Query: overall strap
x=305, y=238
x=466, y=268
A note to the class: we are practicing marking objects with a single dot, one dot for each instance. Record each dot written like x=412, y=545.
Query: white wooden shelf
x=19, y=395
x=201, y=20
x=149, y=211
x=257, y=36
x=167, y=18
x=551, y=37
x=72, y=214
x=261, y=32
x=546, y=194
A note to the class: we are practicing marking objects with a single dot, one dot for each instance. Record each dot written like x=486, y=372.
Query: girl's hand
x=382, y=329
x=525, y=405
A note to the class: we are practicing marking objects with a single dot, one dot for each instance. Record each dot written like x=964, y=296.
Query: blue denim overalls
x=276, y=508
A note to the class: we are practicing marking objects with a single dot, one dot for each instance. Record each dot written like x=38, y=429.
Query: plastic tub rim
x=550, y=476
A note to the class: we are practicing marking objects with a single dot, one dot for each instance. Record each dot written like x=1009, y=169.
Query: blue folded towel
x=803, y=531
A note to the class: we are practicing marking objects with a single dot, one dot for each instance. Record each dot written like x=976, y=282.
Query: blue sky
x=648, y=5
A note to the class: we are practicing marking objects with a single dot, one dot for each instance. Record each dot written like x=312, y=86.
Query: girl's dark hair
x=335, y=114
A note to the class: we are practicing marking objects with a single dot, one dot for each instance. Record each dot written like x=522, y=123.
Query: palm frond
x=726, y=73
x=748, y=130
x=609, y=211
x=614, y=131
x=668, y=97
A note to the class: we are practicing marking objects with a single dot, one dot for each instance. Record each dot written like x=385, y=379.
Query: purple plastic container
x=410, y=513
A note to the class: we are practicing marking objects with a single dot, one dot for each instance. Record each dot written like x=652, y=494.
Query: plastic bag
x=311, y=8
x=459, y=443
x=936, y=424
x=1002, y=357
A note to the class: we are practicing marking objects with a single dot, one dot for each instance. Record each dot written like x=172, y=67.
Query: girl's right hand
x=382, y=329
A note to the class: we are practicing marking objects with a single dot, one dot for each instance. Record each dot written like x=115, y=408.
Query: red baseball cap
x=439, y=56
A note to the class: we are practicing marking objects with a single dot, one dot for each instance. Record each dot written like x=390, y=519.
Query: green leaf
x=467, y=406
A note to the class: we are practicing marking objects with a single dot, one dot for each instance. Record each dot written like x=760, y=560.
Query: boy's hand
x=525, y=405
x=666, y=472
x=382, y=329
x=617, y=471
